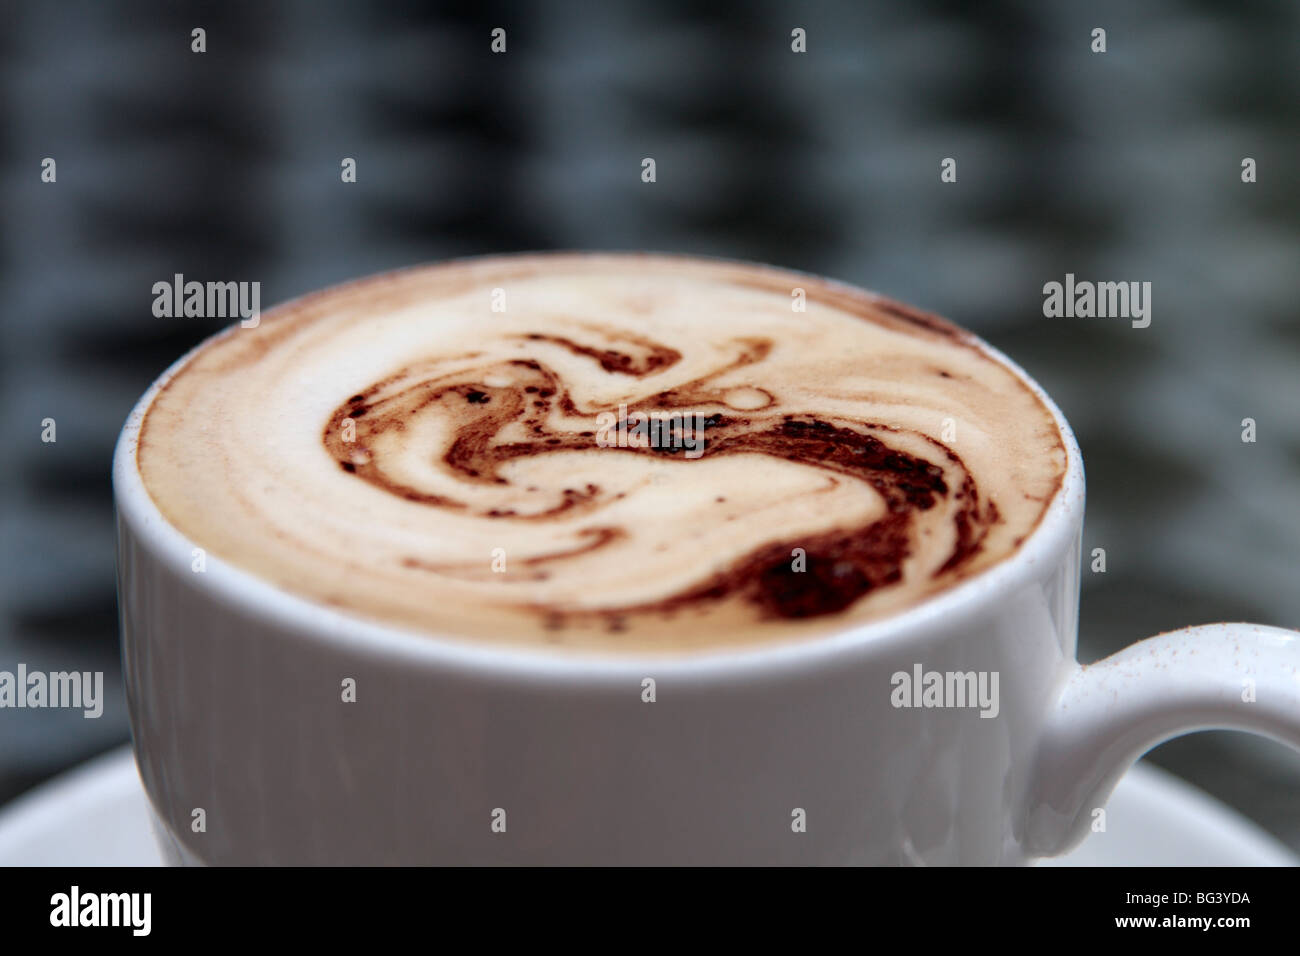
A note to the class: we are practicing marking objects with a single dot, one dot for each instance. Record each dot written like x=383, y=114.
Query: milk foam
x=397, y=449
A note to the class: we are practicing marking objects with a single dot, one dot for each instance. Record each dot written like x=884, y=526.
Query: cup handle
x=1107, y=714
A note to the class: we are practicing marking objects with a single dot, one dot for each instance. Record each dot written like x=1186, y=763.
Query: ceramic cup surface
x=960, y=731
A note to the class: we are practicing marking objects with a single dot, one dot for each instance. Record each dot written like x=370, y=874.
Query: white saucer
x=95, y=816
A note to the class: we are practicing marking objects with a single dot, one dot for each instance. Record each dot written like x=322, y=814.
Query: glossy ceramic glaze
x=468, y=753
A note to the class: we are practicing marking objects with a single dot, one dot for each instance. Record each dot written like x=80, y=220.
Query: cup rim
x=314, y=621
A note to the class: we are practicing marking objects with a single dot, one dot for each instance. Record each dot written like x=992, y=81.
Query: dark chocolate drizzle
x=842, y=565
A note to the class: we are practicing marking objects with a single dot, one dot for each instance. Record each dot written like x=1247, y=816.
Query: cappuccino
x=606, y=452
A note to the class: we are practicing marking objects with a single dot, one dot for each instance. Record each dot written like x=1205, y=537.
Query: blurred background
x=1117, y=166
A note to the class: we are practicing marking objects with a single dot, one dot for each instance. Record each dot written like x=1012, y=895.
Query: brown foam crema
x=400, y=450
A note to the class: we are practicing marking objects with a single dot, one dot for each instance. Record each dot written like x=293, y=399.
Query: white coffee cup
x=800, y=753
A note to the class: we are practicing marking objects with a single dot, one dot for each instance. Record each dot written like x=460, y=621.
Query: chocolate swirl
x=803, y=469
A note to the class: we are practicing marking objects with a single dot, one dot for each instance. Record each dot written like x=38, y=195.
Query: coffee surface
x=602, y=451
